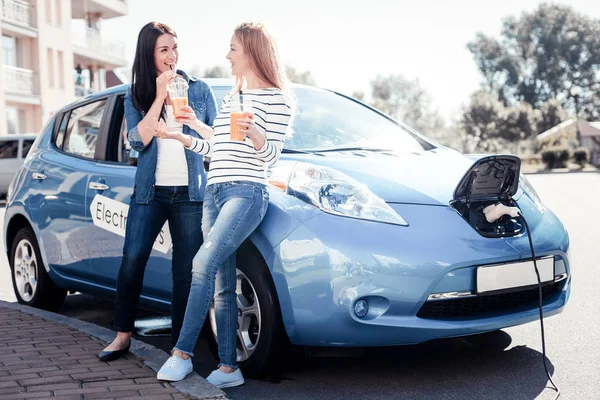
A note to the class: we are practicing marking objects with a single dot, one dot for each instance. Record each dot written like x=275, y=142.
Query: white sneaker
x=224, y=380
x=175, y=369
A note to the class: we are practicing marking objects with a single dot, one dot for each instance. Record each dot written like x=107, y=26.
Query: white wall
x=2, y=116
x=58, y=38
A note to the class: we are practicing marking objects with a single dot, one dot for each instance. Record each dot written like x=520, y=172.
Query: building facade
x=53, y=52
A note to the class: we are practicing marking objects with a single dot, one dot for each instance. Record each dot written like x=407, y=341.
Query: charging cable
x=537, y=273
x=493, y=213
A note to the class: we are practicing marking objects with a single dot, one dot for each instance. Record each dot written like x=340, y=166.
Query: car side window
x=8, y=149
x=119, y=148
x=62, y=129
x=82, y=130
x=26, y=147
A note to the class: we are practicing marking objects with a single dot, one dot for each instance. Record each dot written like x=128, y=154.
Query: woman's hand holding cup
x=248, y=127
x=187, y=117
x=162, y=84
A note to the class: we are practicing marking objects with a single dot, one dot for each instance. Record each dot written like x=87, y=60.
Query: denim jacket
x=202, y=100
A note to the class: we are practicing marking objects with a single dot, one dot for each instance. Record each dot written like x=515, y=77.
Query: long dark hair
x=143, y=73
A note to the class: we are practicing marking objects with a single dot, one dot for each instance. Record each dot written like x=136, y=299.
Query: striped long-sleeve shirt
x=240, y=161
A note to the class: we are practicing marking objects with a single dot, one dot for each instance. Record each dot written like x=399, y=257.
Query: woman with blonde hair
x=236, y=197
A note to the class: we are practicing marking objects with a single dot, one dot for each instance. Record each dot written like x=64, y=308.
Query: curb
x=194, y=386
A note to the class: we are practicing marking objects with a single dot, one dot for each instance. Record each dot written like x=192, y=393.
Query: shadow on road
x=468, y=368
x=473, y=367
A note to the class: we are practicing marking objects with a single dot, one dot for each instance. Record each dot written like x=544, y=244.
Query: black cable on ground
x=537, y=272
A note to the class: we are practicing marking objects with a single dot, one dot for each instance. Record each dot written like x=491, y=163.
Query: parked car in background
x=13, y=150
x=374, y=235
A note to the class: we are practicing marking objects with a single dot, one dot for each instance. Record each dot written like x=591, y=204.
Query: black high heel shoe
x=114, y=355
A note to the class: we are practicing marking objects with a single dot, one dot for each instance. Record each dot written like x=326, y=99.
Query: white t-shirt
x=171, y=165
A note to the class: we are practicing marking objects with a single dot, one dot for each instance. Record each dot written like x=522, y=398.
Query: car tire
x=272, y=347
x=31, y=283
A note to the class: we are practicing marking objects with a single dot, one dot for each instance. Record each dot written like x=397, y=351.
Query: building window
x=12, y=120
x=58, y=13
x=49, y=11
x=9, y=51
x=51, y=68
x=61, y=69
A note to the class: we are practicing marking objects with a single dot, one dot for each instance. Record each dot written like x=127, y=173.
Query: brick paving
x=41, y=359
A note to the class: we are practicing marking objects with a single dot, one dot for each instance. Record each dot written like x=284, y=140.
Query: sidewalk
x=45, y=355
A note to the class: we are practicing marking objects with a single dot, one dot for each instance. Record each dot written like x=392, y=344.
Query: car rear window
x=8, y=149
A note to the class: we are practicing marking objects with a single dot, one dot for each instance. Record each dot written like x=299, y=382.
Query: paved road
x=507, y=365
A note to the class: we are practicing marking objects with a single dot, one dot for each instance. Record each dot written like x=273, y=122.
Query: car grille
x=471, y=306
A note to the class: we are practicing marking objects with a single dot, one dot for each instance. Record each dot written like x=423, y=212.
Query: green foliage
x=492, y=125
x=556, y=157
x=550, y=53
x=408, y=102
x=304, y=78
x=581, y=156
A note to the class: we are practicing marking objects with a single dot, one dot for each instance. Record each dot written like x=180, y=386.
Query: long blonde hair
x=262, y=54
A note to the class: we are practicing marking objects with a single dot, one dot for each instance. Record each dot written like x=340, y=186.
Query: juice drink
x=178, y=93
x=235, y=133
x=178, y=103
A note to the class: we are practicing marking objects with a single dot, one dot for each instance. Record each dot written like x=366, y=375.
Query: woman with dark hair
x=169, y=181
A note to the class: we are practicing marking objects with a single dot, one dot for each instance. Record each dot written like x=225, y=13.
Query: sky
x=345, y=44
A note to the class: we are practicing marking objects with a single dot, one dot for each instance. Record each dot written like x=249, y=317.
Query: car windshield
x=326, y=121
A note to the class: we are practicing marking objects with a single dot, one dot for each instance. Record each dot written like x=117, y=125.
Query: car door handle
x=38, y=176
x=98, y=186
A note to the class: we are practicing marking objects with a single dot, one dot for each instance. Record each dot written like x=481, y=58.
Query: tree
x=216, y=71
x=304, y=78
x=494, y=127
x=195, y=71
x=408, y=102
x=358, y=95
x=550, y=53
x=552, y=114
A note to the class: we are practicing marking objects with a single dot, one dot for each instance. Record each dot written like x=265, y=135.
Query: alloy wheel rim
x=248, y=321
x=25, y=270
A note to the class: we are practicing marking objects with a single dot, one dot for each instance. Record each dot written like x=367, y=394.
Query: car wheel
x=31, y=283
x=261, y=337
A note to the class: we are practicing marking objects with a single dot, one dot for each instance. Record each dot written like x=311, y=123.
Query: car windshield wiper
x=350, y=149
x=292, y=151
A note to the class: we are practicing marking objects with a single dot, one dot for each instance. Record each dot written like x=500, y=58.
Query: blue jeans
x=144, y=222
x=232, y=211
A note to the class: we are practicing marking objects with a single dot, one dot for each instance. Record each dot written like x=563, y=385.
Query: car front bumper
x=329, y=263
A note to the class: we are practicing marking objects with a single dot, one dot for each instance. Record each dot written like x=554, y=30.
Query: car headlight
x=336, y=193
x=528, y=189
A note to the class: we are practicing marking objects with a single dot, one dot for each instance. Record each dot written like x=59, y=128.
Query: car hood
x=428, y=177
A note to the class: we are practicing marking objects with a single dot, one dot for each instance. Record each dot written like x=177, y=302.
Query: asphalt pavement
x=503, y=365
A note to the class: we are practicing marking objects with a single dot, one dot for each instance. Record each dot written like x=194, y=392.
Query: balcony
x=82, y=91
x=90, y=49
x=18, y=17
x=20, y=85
x=105, y=8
